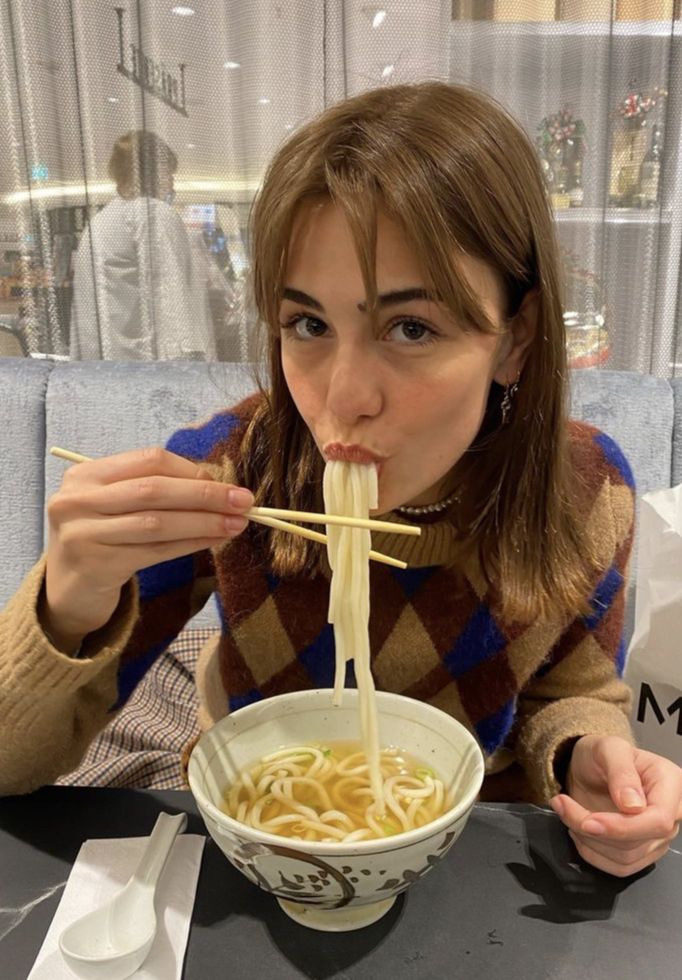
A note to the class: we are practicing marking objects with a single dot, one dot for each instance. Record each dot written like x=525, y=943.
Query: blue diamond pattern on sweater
x=130, y=675
x=493, y=730
x=224, y=622
x=603, y=596
x=237, y=701
x=479, y=640
x=412, y=579
x=197, y=443
x=319, y=658
x=614, y=456
x=165, y=577
x=621, y=656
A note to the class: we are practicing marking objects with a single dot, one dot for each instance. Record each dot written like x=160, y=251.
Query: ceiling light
x=388, y=71
x=183, y=11
x=231, y=64
x=379, y=18
x=263, y=101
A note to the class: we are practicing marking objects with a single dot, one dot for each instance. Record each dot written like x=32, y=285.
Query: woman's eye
x=305, y=327
x=411, y=332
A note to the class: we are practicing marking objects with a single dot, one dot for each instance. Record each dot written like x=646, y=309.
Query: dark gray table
x=511, y=900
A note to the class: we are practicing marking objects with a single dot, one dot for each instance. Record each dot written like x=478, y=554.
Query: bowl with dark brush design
x=334, y=885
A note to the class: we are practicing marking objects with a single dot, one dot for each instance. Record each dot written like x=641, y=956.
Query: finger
x=162, y=551
x=618, y=851
x=662, y=780
x=652, y=824
x=570, y=811
x=604, y=863
x=617, y=759
x=152, y=527
x=166, y=493
x=136, y=463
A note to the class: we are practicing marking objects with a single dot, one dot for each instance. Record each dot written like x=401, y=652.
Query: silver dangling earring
x=508, y=398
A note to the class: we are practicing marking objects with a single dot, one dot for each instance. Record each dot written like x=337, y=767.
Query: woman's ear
x=518, y=339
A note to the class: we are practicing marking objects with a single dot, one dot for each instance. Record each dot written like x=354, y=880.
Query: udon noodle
x=351, y=488
x=313, y=792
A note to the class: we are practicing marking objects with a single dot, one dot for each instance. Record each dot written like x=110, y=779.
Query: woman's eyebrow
x=385, y=299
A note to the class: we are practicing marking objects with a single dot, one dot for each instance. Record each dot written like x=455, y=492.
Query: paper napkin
x=100, y=870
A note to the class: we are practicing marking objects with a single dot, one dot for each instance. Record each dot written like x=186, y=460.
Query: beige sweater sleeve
x=51, y=705
x=580, y=690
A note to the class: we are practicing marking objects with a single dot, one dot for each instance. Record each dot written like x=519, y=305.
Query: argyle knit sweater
x=436, y=634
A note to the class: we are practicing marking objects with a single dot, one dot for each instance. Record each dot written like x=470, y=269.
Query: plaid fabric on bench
x=142, y=746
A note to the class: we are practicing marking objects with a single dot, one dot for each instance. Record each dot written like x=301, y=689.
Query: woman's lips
x=344, y=453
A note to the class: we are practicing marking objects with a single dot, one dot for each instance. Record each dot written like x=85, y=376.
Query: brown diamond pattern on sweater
x=485, y=688
x=293, y=677
x=577, y=671
x=243, y=586
x=444, y=617
x=386, y=608
x=449, y=701
x=161, y=617
x=263, y=631
x=428, y=686
x=406, y=655
x=302, y=604
x=523, y=650
x=568, y=641
x=234, y=671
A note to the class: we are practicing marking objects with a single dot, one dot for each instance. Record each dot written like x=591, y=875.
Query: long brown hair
x=459, y=175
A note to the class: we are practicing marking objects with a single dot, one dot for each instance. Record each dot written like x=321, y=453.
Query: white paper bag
x=654, y=665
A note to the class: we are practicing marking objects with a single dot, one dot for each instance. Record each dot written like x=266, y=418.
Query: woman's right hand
x=118, y=514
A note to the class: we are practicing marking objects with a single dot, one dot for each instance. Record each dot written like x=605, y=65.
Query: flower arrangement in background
x=635, y=107
x=561, y=144
x=560, y=128
x=633, y=119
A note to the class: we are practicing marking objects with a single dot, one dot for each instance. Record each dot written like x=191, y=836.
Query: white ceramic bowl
x=334, y=886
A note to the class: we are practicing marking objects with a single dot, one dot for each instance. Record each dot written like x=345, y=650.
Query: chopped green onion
x=389, y=828
x=424, y=773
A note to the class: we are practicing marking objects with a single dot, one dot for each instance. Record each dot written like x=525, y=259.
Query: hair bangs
x=436, y=245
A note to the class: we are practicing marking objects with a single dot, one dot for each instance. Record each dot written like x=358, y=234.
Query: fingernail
x=240, y=498
x=630, y=797
x=593, y=828
x=235, y=525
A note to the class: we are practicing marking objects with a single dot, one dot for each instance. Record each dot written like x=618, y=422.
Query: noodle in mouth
x=318, y=793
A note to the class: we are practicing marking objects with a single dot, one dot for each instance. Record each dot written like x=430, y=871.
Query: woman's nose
x=354, y=386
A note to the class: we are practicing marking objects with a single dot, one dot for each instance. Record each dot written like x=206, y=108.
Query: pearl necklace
x=419, y=510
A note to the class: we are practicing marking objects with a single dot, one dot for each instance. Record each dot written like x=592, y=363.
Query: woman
x=406, y=270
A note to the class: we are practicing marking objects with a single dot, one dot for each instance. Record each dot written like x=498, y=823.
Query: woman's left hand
x=623, y=806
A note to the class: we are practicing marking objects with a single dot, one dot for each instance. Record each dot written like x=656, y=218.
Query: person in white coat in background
x=139, y=292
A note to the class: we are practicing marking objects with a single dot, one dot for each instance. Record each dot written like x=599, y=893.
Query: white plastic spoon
x=114, y=940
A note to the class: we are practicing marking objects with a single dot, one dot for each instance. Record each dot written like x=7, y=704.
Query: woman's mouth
x=351, y=453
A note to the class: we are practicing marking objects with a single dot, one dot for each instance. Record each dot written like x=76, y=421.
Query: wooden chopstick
x=311, y=518
x=305, y=532
x=264, y=515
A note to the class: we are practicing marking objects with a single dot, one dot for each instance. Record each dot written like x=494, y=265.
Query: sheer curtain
x=220, y=83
